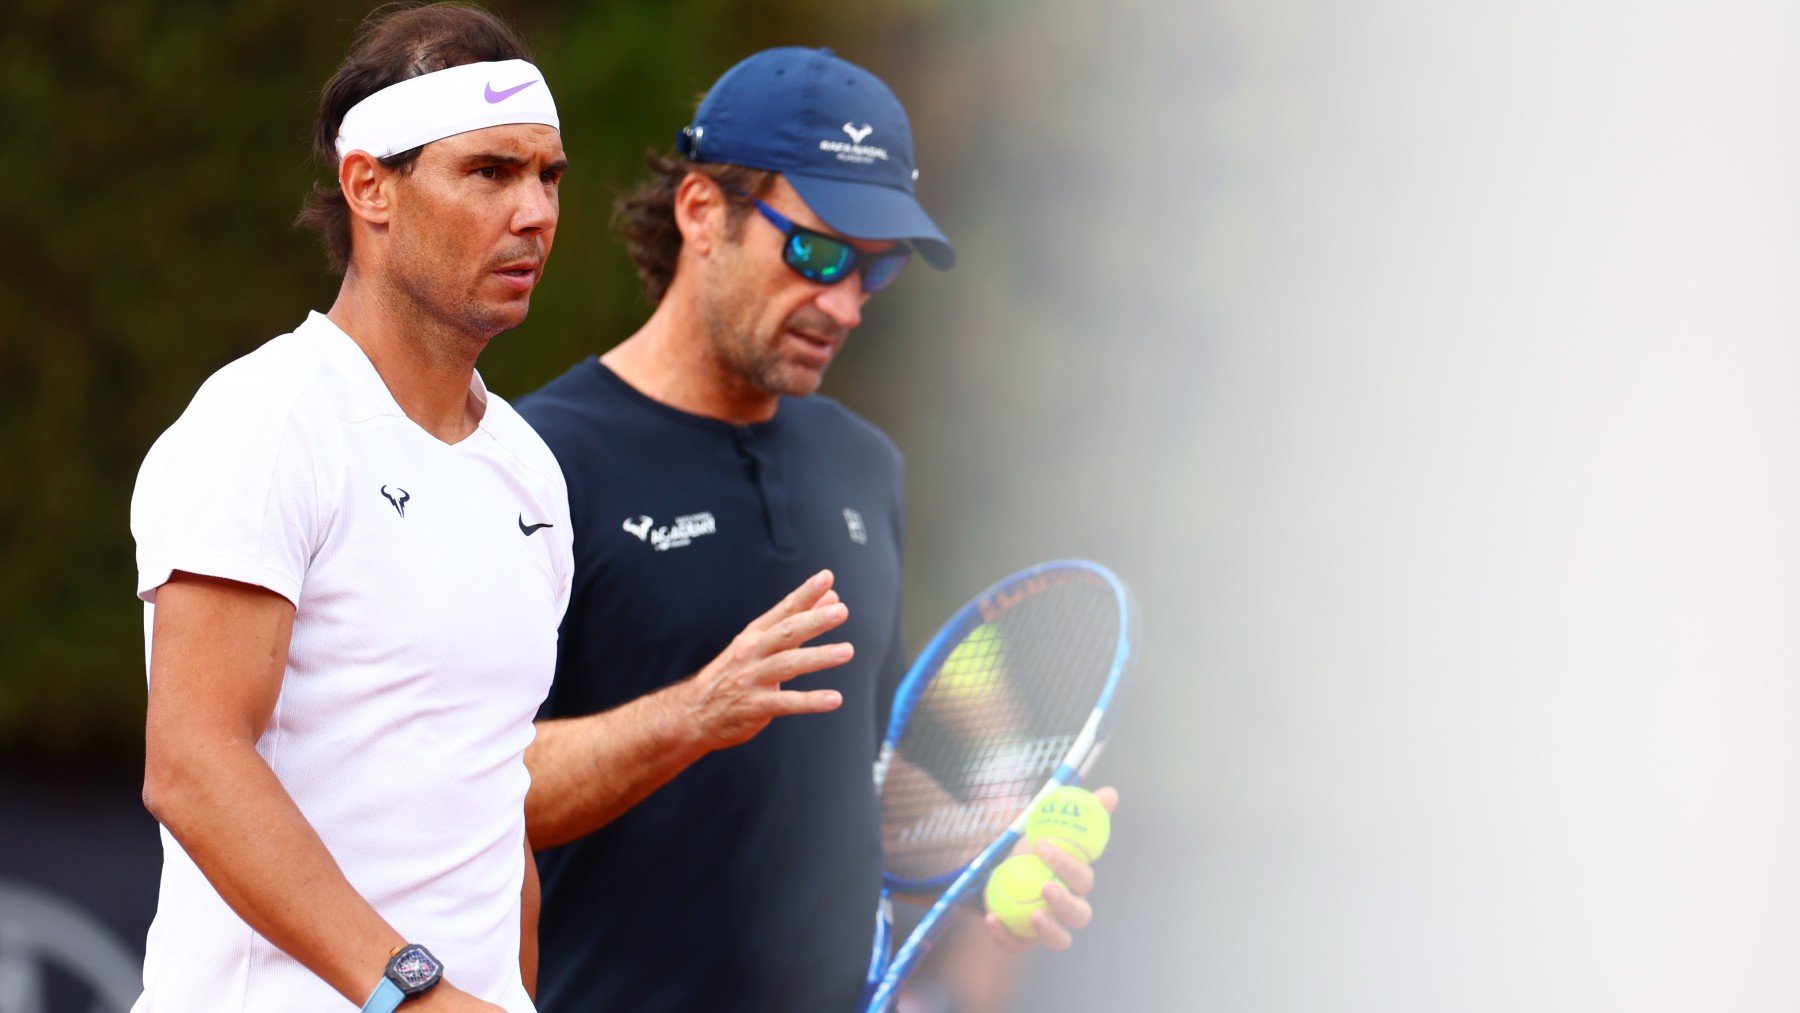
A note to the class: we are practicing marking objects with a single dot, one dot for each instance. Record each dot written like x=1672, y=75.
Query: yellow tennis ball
x=1016, y=889
x=1072, y=819
x=974, y=668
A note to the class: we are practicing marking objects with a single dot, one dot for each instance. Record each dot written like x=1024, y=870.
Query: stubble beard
x=750, y=360
x=452, y=322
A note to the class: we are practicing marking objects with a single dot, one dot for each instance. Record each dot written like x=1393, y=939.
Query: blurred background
x=1428, y=369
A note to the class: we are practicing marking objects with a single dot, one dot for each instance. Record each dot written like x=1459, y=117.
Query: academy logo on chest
x=673, y=535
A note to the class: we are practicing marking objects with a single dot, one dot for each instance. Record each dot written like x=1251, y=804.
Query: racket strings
x=1001, y=714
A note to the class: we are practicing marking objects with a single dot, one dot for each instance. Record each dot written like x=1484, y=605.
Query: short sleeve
x=231, y=490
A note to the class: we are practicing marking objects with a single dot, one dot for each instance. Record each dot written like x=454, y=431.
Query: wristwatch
x=411, y=969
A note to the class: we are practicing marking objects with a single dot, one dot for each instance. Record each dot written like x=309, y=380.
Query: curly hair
x=645, y=217
x=395, y=42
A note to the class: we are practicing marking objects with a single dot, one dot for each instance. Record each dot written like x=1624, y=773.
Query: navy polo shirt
x=750, y=881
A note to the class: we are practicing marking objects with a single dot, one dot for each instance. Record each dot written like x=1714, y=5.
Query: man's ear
x=700, y=212
x=368, y=187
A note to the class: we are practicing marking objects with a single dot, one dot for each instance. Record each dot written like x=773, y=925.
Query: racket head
x=1015, y=693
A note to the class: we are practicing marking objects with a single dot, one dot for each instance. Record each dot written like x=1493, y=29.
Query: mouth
x=816, y=348
x=519, y=274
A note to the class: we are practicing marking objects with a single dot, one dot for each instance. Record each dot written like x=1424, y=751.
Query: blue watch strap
x=387, y=998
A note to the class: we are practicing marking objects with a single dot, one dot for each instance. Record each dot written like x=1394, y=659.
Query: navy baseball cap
x=833, y=129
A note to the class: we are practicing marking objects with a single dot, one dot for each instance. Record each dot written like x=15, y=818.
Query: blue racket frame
x=885, y=974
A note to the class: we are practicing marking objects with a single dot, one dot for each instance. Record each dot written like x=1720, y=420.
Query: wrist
x=678, y=722
x=411, y=972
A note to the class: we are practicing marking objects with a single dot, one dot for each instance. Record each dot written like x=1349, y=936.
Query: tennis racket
x=1011, y=699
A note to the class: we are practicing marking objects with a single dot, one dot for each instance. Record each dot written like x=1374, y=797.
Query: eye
x=488, y=172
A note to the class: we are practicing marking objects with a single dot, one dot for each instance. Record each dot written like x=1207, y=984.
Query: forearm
x=530, y=897
x=586, y=771
x=232, y=816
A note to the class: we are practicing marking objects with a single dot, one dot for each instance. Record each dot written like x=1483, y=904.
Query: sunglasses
x=829, y=260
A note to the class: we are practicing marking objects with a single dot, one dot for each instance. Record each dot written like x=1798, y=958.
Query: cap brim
x=873, y=211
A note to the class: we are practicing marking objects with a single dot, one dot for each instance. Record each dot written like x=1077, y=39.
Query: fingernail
x=821, y=576
x=842, y=652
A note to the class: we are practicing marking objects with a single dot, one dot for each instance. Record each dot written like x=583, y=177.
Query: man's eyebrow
x=512, y=161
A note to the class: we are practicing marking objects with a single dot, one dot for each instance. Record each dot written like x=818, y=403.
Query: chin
x=504, y=317
x=801, y=382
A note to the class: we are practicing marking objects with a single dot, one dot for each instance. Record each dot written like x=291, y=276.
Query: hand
x=1068, y=909
x=447, y=998
x=738, y=693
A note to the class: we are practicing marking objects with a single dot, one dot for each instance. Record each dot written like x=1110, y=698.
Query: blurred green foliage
x=157, y=155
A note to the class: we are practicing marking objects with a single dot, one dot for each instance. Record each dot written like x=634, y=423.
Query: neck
x=672, y=359
x=427, y=366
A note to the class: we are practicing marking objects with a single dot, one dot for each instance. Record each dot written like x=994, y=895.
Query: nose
x=537, y=209
x=843, y=301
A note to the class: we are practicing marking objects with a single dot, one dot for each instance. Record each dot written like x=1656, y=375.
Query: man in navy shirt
x=706, y=481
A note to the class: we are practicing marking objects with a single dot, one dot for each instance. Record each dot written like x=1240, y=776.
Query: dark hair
x=645, y=217
x=395, y=42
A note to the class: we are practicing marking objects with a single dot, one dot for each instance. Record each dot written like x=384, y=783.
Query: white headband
x=433, y=106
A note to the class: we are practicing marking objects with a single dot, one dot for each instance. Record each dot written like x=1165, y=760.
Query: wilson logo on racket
x=994, y=604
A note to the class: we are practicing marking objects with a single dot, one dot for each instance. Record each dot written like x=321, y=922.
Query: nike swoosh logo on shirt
x=502, y=96
x=530, y=529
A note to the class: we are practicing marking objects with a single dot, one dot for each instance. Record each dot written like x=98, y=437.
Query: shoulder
x=825, y=420
x=239, y=486
x=255, y=402
x=510, y=430
x=271, y=379
x=566, y=403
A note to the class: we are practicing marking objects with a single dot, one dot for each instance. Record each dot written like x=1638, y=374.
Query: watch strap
x=386, y=998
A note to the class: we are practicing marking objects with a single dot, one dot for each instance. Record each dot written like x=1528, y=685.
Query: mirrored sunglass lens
x=818, y=257
x=882, y=271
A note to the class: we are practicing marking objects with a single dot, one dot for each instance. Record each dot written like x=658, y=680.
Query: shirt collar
x=368, y=394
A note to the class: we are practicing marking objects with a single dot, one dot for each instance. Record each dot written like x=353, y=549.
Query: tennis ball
x=974, y=668
x=1015, y=890
x=1072, y=819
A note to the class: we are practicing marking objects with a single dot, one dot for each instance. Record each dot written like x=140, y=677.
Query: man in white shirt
x=355, y=560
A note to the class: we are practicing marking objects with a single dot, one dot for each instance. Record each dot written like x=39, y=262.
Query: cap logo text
x=856, y=152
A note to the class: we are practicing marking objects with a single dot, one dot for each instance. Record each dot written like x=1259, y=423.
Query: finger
x=996, y=930
x=1109, y=797
x=1051, y=934
x=799, y=661
x=830, y=597
x=812, y=701
x=797, y=600
x=797, y=629
x=1070, y=910
x=1077, y=874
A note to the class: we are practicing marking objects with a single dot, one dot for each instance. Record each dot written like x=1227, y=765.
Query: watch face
x=414, y=969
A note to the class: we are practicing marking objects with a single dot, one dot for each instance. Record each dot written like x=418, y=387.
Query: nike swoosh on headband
x=501, y=96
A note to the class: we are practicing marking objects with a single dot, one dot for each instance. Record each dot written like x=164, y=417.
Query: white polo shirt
x=428, y=581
